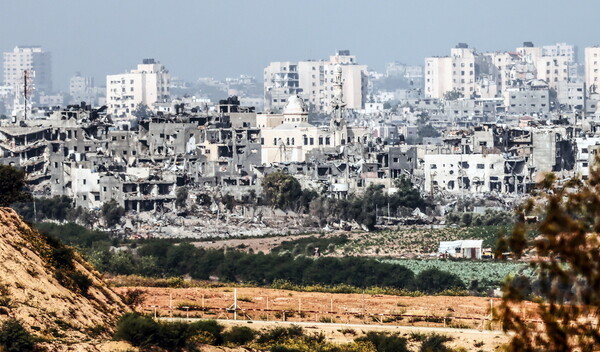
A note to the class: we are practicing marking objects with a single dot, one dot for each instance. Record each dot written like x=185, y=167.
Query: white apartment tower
x=148, y=84
x=38, y=64
x=454, y=72
x=438, y=76
x=81, y=89
x=592, y=68
x=314, y=82
x=553, y=63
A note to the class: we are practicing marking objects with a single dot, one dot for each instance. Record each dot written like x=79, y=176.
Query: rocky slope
x=52, y=290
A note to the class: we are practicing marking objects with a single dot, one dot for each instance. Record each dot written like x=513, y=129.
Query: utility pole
x=25, y=93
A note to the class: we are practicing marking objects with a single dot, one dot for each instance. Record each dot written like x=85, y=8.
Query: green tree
x=12, y=186
x=565, y=252
x=141, y=111
x=453, y=95
x=112, y=213
x=281, y=190
x=406, y=195
x=428, y=131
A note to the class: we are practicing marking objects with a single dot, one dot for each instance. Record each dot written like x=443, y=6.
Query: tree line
x=164, y=258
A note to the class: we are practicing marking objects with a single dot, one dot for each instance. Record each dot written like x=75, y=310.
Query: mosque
x=288, y=137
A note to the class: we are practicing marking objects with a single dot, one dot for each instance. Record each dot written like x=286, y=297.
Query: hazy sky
x=225, y=38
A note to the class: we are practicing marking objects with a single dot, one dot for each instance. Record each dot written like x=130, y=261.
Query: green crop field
x=487, y=274
x=416, y=240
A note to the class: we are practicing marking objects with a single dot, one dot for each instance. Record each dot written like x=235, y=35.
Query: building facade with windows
x=592, y=68
x=36, y=61
x=148, y=84
x=314, y=82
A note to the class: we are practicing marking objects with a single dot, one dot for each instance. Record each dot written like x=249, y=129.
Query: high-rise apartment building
x=456, y=72
x=36, y=62
x=553, y=63
x=81, y=89
x=148, y=84
x=592, y=69
x=314, y=82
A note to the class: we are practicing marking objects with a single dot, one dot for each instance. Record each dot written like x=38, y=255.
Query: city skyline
x=200, y=40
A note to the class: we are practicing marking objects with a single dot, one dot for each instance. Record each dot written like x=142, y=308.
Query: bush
x=280, y=334
x=14, y=337
x=63, y=257
x=82, y=282
x=138, y=330
x=435, y=343
x=239, y=335
x=134, y=297
x=209, y=326
x=435, y=280
x=385, y=342
x=279, y=348
x=12, y=186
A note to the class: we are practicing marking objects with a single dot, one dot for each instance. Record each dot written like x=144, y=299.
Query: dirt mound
x=51, y=289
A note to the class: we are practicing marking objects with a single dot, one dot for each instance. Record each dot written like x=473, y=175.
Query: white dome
x=295, y=105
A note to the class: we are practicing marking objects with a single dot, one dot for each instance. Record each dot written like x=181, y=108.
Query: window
x=480, y=166
x=433, y=166
x=320, y=140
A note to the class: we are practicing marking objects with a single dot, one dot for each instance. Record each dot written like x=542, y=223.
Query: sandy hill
x=52, y=290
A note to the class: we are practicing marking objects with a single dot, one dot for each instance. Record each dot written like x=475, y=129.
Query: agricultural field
x=411, y=242
x=484, y=274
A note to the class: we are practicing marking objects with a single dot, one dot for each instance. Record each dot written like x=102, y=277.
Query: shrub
x=279, y=348
x=385, y=342
x=280, y=334
x=239, y=335
x=14, y=337
x=134, y=297
x=435, y=343
x=4, y=295
x=12, y=186
x=138, y=330
x=63, y=257
x=209, y=326
x=82, y=282
x=435, y=280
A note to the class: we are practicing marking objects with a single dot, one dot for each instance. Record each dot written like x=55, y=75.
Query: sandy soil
x=267, y=304
x=467, y=318
x=472, y=340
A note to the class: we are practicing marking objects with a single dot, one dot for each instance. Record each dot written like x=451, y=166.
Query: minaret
x=338, y=123
x=337, y=103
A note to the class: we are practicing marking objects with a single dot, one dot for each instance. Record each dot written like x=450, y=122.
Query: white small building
x=469, y=249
